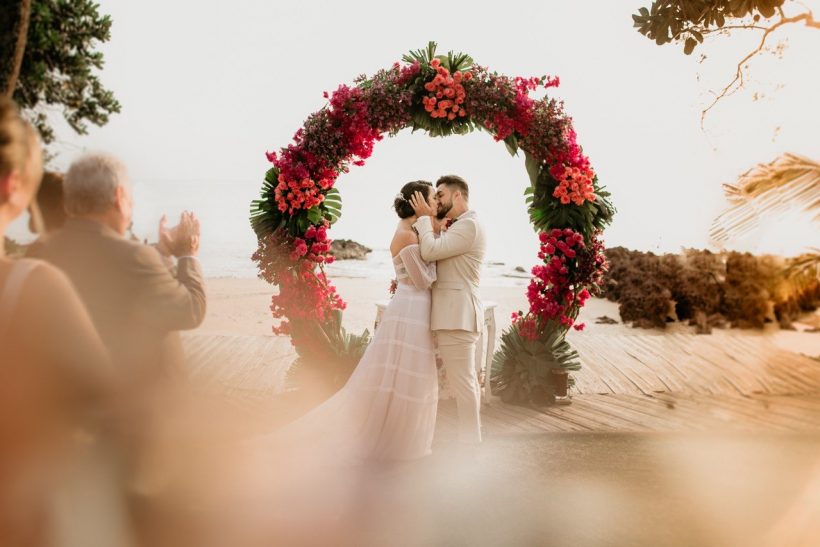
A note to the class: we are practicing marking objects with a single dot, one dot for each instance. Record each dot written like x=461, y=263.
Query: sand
x=242, y=306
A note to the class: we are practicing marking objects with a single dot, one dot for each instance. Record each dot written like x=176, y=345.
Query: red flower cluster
x=527, y=325
x=309, y=167
x=445, y=93
x=348, y=114
x=305, y=194
x=304, y=296
x=557, y=292
x=503, y=106
x=315, y=247
x=407, y=72
x=574, y=184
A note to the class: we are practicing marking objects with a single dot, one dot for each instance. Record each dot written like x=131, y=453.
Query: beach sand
x=242, y=306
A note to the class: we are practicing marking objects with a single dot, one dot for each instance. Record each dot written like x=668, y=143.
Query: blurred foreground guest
x=47, y=211
x=50, y=203
x=137, y=304
x=55, y=381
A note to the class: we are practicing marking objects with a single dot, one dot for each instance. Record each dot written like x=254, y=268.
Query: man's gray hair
x=90, y=184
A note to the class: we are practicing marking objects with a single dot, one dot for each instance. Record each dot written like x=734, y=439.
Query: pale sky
x=206, y=88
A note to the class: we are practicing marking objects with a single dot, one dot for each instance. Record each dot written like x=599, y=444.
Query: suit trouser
x=457, y=350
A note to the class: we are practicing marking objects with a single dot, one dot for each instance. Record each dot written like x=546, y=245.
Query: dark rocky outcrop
x=346, y=249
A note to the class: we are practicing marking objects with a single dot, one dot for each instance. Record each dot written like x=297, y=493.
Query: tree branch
x=807, y=17
x=21, y=28
x=733, y=27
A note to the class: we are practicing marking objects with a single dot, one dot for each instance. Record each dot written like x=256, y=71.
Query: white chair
x=485, y=347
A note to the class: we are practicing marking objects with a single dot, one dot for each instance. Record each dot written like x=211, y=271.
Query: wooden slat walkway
x=641, y=382
x=723, y=363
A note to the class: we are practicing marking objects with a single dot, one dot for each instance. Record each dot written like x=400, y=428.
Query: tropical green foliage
x=329, y=347
x=547, y=213
x=454, y=62
x=266, y=217
x=522, y=368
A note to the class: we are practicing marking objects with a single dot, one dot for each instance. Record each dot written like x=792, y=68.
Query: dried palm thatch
x=790, y=185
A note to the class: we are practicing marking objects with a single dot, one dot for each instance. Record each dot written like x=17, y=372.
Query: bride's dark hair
x=402, y=202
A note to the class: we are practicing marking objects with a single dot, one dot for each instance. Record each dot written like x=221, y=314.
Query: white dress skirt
x=387, y=409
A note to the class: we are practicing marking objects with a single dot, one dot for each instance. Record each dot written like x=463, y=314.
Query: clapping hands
x=182, y=239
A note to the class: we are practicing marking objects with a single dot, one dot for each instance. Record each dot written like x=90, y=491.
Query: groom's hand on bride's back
x=420, y=205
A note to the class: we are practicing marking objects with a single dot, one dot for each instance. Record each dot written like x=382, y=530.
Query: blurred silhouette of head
x=21, y=163
x=96, y=187
x=50, y=202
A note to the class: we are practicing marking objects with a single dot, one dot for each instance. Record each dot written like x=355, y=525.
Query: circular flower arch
x=441, y=95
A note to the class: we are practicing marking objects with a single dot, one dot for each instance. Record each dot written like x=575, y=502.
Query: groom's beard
x=443, y=210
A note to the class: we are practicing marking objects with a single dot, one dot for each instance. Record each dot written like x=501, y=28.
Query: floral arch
x=440, y=95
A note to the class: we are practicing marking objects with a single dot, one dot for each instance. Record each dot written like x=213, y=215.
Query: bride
x=387, y=410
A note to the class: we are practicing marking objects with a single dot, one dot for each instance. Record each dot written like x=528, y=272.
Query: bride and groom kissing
x=387, y=409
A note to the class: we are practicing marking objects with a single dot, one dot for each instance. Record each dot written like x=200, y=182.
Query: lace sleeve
x=421, y=273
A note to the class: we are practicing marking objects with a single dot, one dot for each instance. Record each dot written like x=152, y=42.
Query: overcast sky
x=206, y=88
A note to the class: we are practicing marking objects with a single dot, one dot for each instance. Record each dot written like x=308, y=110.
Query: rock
x=701, y=323
x=718, y=320
x=605, y=320
x=520, y=269
x=346, y=249
x=671, y=312
x=643, y=323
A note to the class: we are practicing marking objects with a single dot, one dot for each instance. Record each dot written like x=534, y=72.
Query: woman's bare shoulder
x=47, y=283
x=402, y=239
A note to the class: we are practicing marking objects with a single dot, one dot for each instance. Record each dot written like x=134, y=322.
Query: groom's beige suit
x=457, y=314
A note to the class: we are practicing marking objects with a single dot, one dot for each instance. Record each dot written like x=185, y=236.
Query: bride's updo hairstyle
x=402, y=202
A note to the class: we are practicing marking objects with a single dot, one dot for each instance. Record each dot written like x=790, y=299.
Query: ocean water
x=228, y=242
x=379, y=266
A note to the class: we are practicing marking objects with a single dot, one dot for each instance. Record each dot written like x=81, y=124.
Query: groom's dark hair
x=454, y=182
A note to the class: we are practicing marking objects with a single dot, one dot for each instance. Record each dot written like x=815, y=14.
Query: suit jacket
x=135, y=302
x=459, y=255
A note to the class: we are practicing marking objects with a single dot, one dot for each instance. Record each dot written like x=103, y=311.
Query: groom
x=457, y=314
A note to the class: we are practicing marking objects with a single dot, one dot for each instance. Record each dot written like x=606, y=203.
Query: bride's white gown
x=387, y=409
